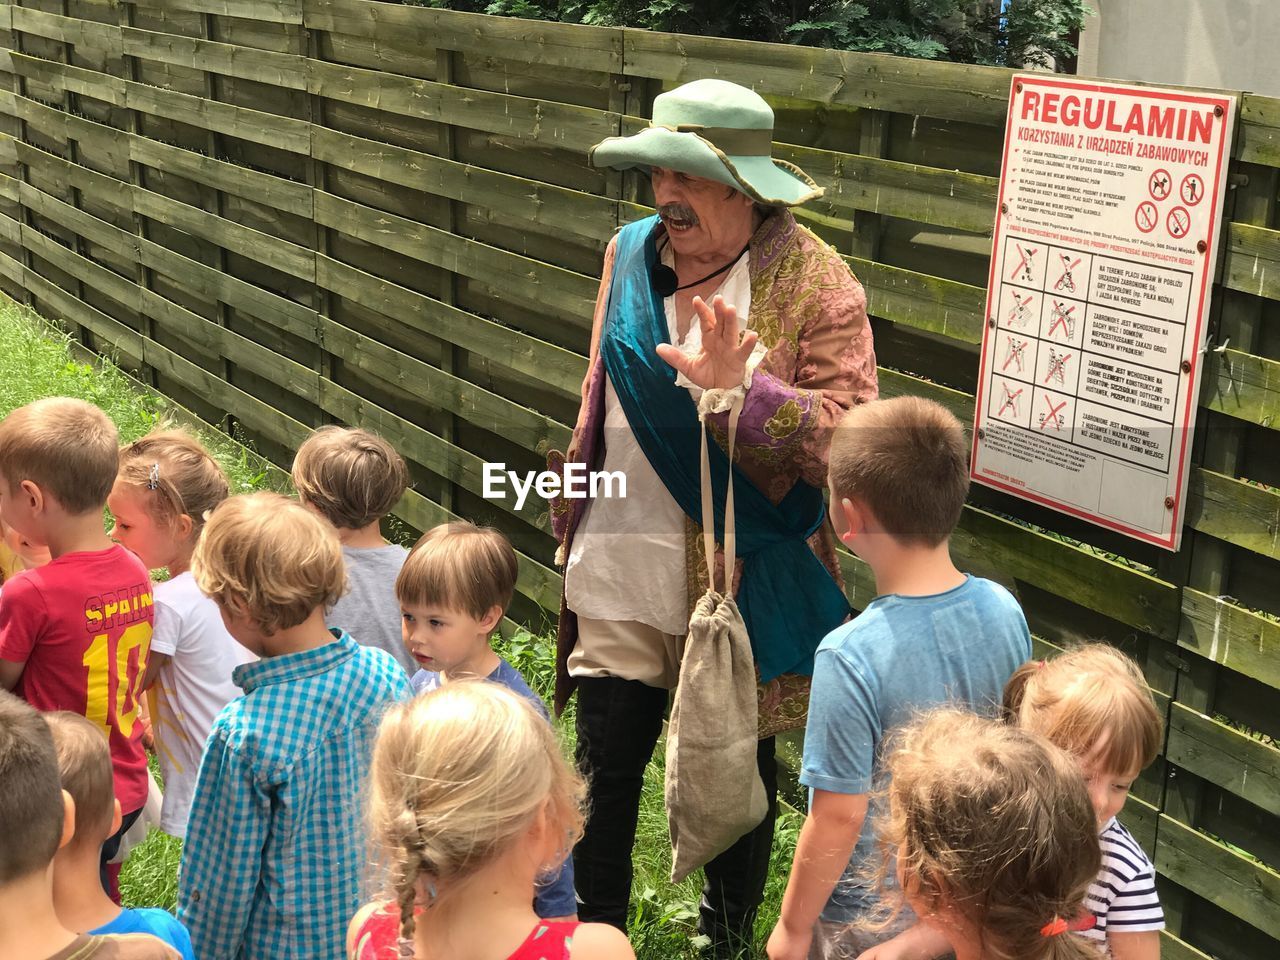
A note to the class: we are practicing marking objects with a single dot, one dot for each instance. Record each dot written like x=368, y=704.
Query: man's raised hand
x=721, y=363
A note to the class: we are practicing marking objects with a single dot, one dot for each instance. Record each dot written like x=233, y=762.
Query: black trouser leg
x=618, y=725
x=735, y=879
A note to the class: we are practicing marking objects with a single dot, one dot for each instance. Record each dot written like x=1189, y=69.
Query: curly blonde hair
x=269, y=558
x=994, y=822
x=458, y=775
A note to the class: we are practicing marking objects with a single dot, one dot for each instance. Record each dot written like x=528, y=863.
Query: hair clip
x=153, y=479
x=1058, y=926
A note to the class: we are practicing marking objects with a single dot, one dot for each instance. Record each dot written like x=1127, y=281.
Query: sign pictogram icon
x=1146, y=216
x=1057, y=367
x=1160, y=184
x=1062, y=320
x=1191, y=189
x=1054, y=417
x=1178, y=222
x=1026, y=260
x=1013, y=353
x=1066, y=281
x=1011, y=401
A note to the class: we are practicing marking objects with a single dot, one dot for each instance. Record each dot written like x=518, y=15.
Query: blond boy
x=36, y=818
x=353, y=478
x=75, y=633
x=274, y=851
x=84, y=767
x=453, y=590
x=933, y=635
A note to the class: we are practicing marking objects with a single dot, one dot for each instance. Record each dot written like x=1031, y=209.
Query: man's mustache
x=678, y=211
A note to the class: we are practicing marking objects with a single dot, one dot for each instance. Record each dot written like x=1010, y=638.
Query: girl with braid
x=471, y=802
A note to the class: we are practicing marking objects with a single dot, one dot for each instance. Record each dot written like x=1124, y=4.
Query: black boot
x=618, y=725
x=736, y=878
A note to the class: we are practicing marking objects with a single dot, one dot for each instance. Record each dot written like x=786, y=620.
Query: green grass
x=36, y=362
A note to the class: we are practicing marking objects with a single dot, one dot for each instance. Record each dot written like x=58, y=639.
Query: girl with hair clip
x=994, y=841
x=167, y=484
x=471, y=801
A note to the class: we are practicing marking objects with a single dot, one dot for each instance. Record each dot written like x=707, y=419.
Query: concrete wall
x=1234, y=44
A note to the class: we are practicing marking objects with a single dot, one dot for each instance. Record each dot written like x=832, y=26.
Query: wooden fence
x=289, y=212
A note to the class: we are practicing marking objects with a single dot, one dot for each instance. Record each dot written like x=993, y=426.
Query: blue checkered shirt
x=275, y=848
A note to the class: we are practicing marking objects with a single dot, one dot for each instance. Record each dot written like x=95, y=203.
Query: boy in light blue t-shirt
x=899, y=475
x=84, y=766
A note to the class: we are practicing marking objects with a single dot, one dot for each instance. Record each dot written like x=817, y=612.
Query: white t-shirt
x=1123, y=896
x=644, y=530
x=191, y=688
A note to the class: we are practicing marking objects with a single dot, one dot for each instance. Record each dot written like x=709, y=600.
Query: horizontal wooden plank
x=81, y=33
x=550, y=124
x=256, y=126
x=264, y=66
x=945, y=198
x=1243, y=386
x=900, y=84
x=1172, y=948
x=921, y=301
x=1239, y=885
x=546, y=208
x=1237, y=511
x=1253, y=260
x=498, y=415
x=1258, y=135
x=1222, y=755
x=268, y=11
x=68, y=306
x=1227, y=633
x=568, y=295
x=528, y=41
x=555, y=366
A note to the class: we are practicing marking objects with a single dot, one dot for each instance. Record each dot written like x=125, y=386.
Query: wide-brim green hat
x=713, y=129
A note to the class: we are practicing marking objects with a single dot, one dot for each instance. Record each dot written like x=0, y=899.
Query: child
x=353, y=478
x=470, y=799
x=1094, y=703
x=272, y=860
x=36, y=818
x=84, y=767
x=74, y=634
x=899, y=473
x=993, y=838
x=167, y=484
x=18, y=553
x=453, y=589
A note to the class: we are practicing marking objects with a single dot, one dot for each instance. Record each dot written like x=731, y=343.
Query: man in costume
x=721, y=293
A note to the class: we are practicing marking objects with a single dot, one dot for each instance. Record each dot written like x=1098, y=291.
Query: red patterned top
x=379, y=939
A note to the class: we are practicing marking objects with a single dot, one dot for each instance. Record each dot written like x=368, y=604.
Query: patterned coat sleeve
x=811, y=375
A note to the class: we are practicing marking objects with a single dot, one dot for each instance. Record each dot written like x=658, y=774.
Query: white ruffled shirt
x=644, y=531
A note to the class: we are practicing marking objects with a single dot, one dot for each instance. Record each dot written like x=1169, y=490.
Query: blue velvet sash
x=787, y=598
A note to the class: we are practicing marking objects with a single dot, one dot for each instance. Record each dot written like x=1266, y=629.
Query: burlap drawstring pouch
x=713, y=790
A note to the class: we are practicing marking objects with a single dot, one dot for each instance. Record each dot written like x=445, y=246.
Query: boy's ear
x=35, y=496
x=68, y=820
x=492, y=618
x=854, y=517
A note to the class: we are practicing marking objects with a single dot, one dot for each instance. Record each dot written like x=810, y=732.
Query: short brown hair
x=269, y=558
x=460, y=567
x=31, y=809
x=1091, y=701
x=350, y=476
x=175, y=474
x=84, y=766
x=906, y=460
x=995, y=822
x=66, y=447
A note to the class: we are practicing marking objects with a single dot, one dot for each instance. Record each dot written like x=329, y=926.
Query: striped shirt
x=1123, y=896
x=275, y=848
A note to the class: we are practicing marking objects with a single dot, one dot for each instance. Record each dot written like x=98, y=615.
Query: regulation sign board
x=1105, y=243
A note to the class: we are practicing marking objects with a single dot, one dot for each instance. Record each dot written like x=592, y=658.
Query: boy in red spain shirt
x=74, y=634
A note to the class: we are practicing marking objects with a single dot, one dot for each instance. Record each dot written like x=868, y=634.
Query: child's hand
x=787, y=944
x=920, y=942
